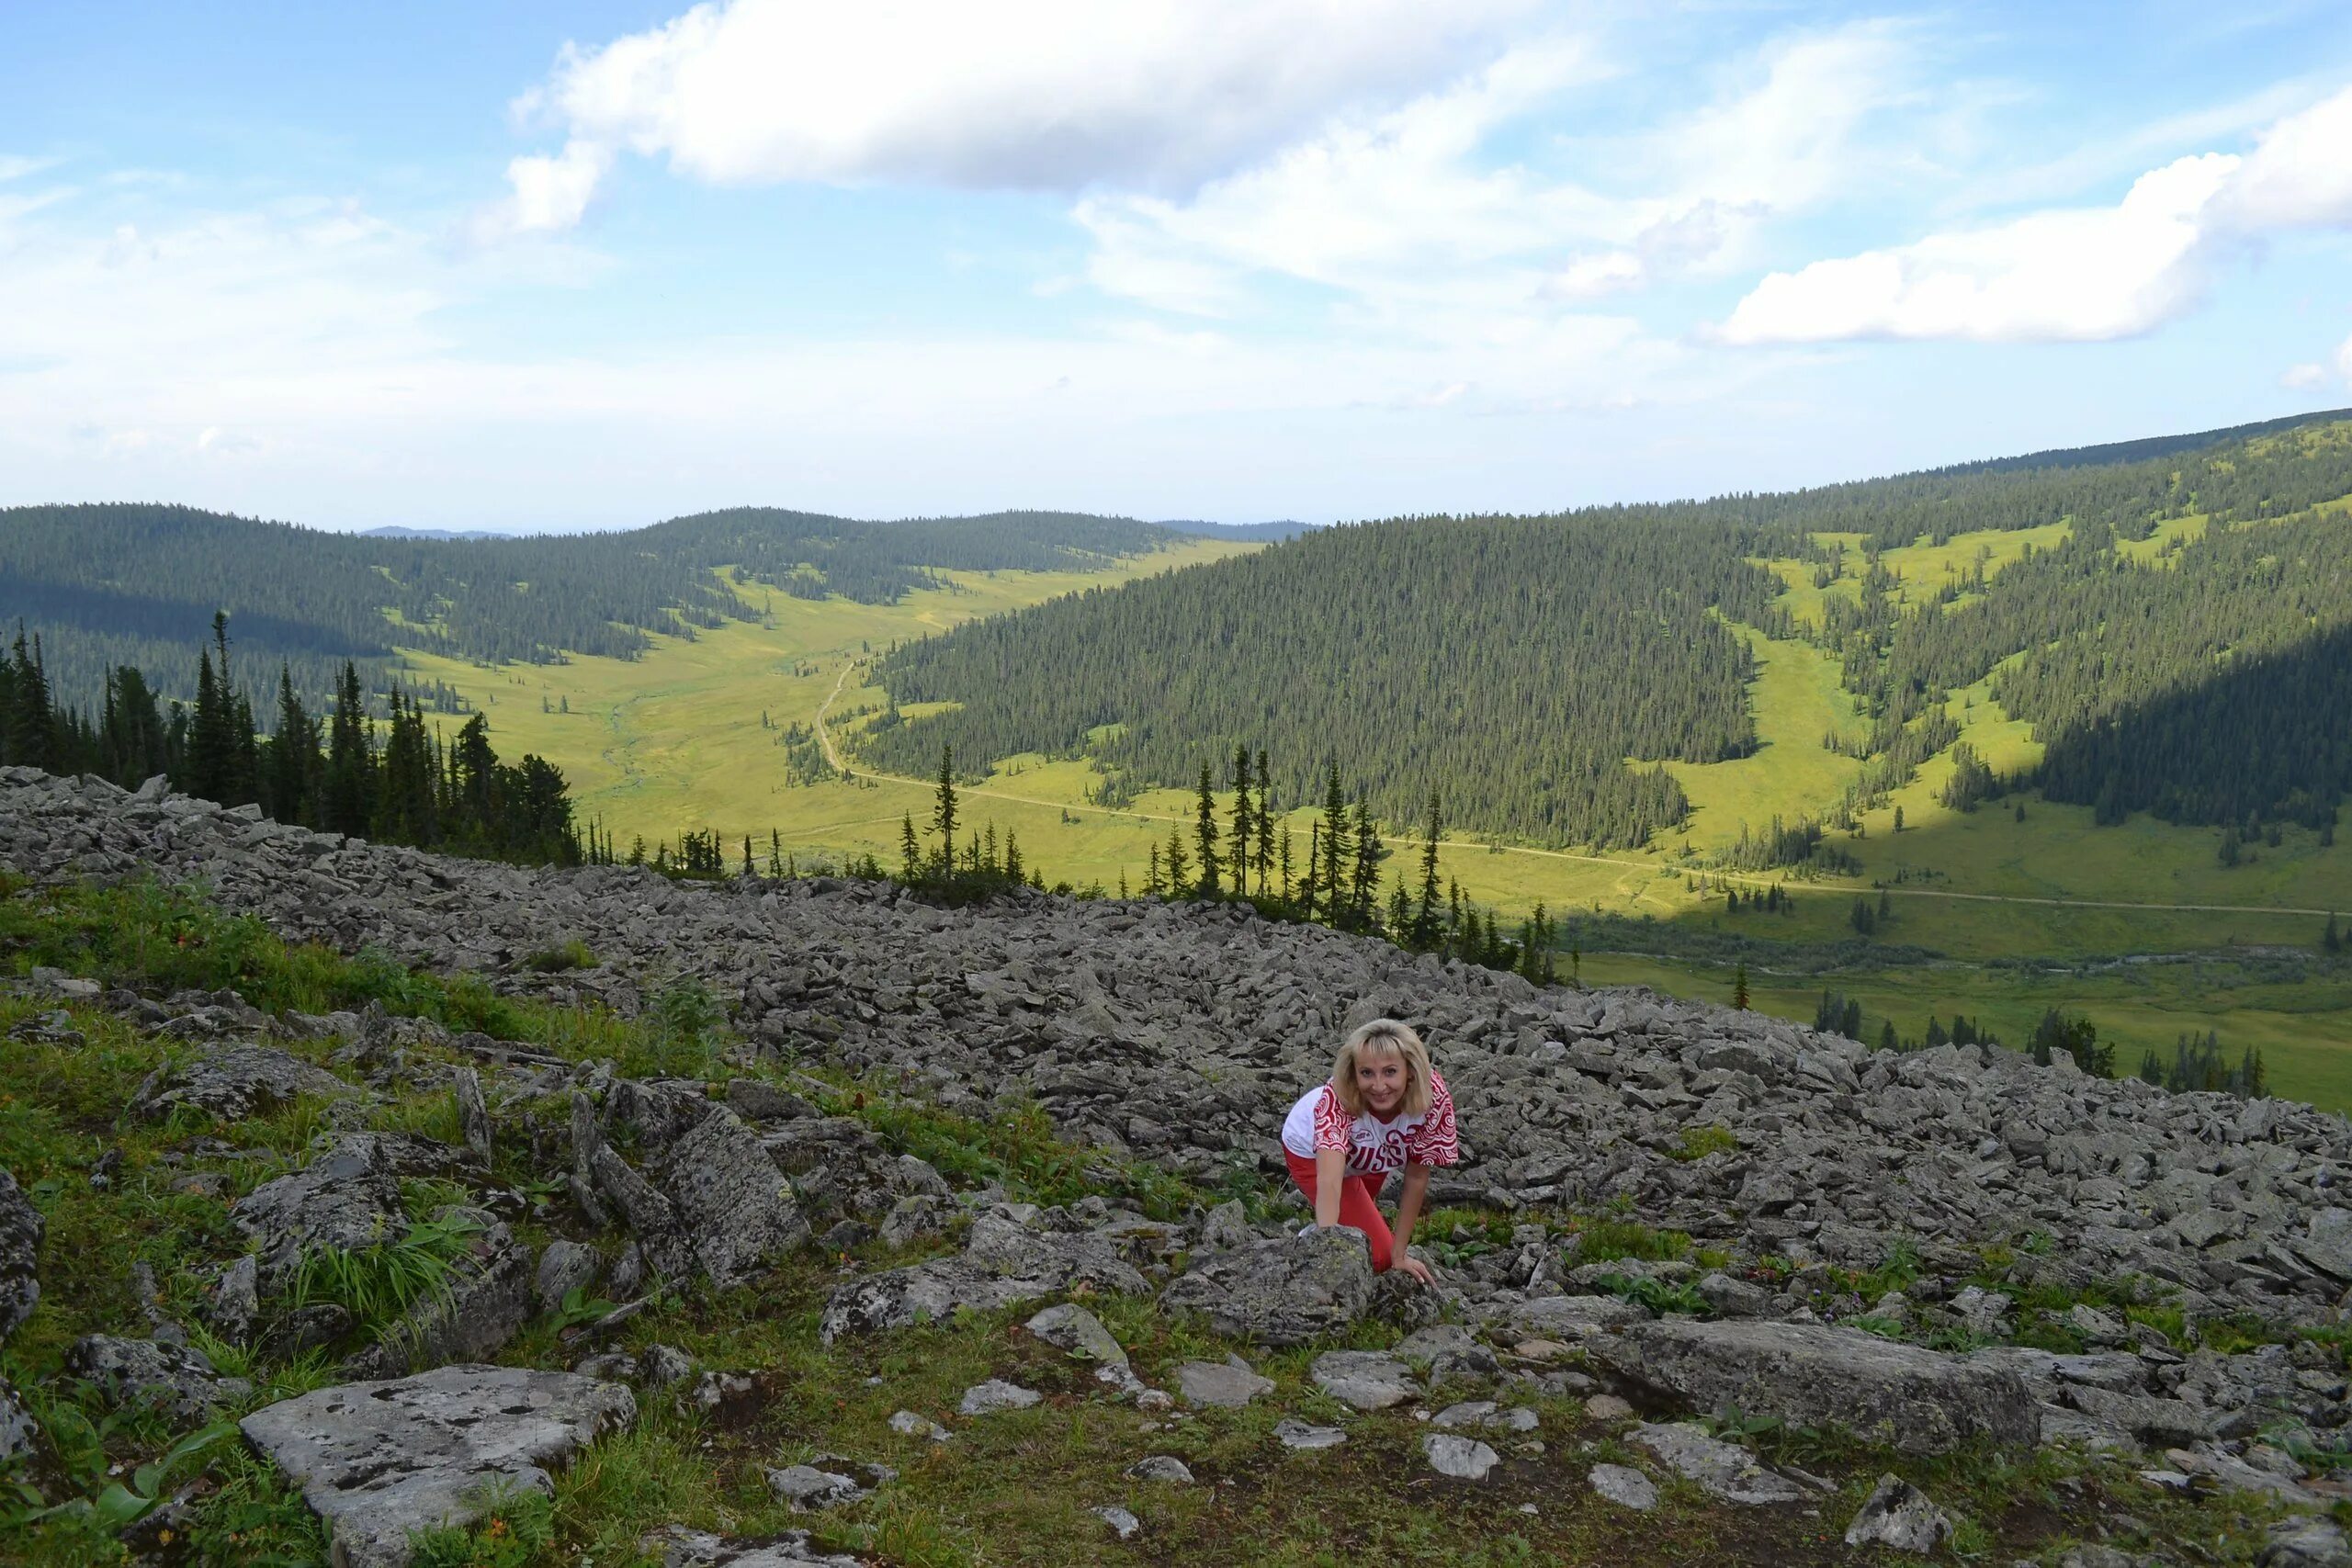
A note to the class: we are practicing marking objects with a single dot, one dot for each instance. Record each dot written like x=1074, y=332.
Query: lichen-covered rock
x=21, y=1233
x=178, y=1382
x=1898, y=1515
x=380, y=1460
x=485, y=1303
x=1812, y=1375
x=347, y=1199
x=1721, y=1469
x=1004, y=1264
x=233, y=1083
x=1287, y=1291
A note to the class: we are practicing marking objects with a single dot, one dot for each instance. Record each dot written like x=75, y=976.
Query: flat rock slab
x=1465, y=1459
x=1721, y=1469
x=680, y=1548
x=1623, y=1485
x=1486, y=1414
x=1366, y=1379
x=907, y=1423
x=1572, y=1319
x=1221, y=1384
x=1299, y=1435
x=1002, y=1264
x=995, y=1395
x=1813, y=1375
x=1077, y=1331
x=379, y=1460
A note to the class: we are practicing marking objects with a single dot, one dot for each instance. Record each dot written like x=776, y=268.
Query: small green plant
x=106, y=1503
x=578, y=1307
x=377, y=1285
x=1698, y=1142
x=1656, y=1294
x=682, y=1022
x=514, y=1526
x=1603, y=1240
x=570, y=954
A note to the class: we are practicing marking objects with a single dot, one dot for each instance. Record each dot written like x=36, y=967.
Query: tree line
x=397, y=782
x=112, y=585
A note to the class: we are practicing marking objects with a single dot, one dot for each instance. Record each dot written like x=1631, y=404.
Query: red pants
x=1357, y=1206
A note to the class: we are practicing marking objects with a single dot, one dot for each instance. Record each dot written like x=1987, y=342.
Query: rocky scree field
x=371, y=1206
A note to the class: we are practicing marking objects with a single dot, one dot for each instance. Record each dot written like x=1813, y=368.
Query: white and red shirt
x=1319, y=1122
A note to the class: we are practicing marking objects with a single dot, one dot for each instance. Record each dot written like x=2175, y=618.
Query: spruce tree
x=351, y=763
x=1285, y=865
x=2330, y=940
x=943, y=811
x=1243, y=827
x=1335, y=847
x=1424, y=926
x=1739, y=988
x=293, y=753
x=1365, y=886
x=1265, y=815
x=1179, y=865
x=1205, y=834
x=910, y=851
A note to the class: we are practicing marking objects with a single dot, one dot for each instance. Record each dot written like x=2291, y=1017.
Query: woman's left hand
x=1417, y=1269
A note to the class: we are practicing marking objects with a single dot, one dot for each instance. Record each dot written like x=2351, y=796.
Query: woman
x=1384, y=1109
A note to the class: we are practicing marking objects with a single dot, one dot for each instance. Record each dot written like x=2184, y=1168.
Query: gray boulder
x=176, y=1380
x=233, y=1084
x=1287, y=1291
x=1223, y=1385
x=18, y=1430
x=1900, y=1516
x=1004, y=1264
x=347, y=1199
x=1465, y=1459
x=378, y=1461
x=21, y=1233
x=996, y=1396
x=1623, y=1485
x=1299, y=1435
x=566, y=1266
x=1812, y=1375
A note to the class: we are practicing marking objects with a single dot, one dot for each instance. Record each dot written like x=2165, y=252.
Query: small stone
x=1074, y=1329
x=807, y=1489
x=1123, y=1523
x=1299, y=1435
x=1625, y=1486
x=1900, y=1516
x=1223, y=1385
x=1365, y=1379
x=995, y=1395
x=1607, y=1407
x=1465, y=1459
x=907, y=1423
x=1162, y=1467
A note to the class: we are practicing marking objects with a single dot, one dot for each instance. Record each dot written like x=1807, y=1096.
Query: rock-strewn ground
x=1939, y=1255
x=1183, y=1032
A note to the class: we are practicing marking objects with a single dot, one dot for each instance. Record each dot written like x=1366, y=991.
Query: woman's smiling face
x=1381, y=1082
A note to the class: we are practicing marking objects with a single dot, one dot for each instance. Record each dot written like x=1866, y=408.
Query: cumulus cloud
x=1055, y=94
x=2083, y=275
x=547, y=194
x=2308, y=377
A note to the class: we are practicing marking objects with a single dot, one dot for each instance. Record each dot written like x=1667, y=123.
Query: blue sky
x=528, y=266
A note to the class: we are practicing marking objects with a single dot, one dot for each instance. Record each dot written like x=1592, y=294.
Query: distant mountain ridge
x=1266, y=532
x=395, y=531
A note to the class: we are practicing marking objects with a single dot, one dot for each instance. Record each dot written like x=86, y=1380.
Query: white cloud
x=2083, y=275
x=1057, y=95
x=2308, y=377
x=2299, y=173
x=547, y=195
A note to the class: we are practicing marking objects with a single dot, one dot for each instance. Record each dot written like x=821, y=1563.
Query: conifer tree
x=1739, y=988
x=1424, y=930
x=1265, y=815
x=1242, y=828
x=1335, y=847
x=943, y=811
x=1285, y=859
x=1365, y=885
x=1179, y=865
x=2330, y=940
x=1204, y=835
x=351, y=763
x=293, y=753
x=1151, y=884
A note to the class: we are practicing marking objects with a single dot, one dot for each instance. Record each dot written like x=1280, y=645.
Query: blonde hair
x=1382, y=1037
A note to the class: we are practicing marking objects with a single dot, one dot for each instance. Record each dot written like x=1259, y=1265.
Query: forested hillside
x=1517, y=664
x=1513, y=662
x=102, y=586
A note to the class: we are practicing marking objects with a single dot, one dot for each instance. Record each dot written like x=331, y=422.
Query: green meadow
x=696, y=735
